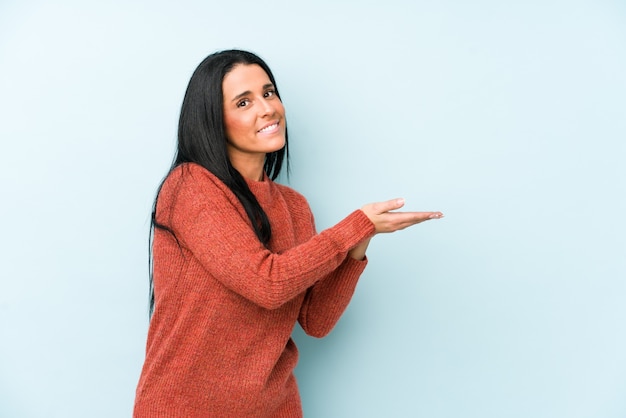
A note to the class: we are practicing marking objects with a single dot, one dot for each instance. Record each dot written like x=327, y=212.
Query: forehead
x=244, y=77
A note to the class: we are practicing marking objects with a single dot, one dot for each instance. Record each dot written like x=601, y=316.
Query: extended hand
x=386, y=221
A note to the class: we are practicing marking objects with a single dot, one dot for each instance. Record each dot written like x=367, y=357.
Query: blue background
x=510, y=117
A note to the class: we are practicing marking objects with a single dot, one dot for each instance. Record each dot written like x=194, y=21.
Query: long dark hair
x=202, y=140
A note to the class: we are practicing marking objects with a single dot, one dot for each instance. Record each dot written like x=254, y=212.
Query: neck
x=250, y=167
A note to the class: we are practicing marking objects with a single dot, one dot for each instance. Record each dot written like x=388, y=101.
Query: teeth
x=269, y=128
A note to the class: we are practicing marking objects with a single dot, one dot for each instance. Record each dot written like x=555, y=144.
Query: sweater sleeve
x=207, y=220
x=327, y=300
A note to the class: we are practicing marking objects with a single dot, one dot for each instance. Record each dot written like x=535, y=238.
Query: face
x=254, y=116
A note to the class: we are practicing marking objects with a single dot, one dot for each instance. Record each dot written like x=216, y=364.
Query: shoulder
x=292, y=197
x=192, y=175
x=299, y=207
x=192, y=181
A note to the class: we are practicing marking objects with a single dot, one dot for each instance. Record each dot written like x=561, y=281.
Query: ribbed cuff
x=352, y=230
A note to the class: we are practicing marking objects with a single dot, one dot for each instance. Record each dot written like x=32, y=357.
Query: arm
x=209, y=222
x=326, y=301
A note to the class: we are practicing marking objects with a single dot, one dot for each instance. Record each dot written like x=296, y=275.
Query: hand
x=386, y=221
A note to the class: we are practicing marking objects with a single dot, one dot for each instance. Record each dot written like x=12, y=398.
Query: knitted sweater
x=219, y=342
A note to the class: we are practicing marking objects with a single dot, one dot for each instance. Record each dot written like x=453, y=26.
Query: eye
x=269, y=93
x=243, y=103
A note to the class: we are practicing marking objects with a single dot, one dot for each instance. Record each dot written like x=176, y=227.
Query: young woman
x=236, y=258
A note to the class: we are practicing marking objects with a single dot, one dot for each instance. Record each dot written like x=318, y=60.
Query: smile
x=269, y=128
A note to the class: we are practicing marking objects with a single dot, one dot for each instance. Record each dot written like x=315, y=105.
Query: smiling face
x=254, y=118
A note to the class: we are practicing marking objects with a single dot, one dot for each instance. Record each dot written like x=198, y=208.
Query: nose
x=266, y=108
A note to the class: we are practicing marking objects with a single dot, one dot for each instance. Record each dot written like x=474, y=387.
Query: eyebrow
x=248, y=92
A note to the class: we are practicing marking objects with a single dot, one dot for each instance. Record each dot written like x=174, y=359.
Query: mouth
x=272, y=127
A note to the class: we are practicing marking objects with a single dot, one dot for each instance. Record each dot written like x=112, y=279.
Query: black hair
x=202, y=140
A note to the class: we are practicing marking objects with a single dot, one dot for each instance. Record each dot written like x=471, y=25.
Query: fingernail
x=436, y=216
x=400, y=201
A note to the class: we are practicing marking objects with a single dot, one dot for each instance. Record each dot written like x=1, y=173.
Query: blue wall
x=508, y=117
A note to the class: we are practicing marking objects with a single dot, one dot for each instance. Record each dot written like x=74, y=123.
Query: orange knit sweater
x=219, y=342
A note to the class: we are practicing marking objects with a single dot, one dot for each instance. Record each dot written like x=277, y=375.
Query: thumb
x=393, y=204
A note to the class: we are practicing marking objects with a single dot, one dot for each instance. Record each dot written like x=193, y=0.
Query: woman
x=236, y=259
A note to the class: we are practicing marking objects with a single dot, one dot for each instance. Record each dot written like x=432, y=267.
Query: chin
x=278, y=145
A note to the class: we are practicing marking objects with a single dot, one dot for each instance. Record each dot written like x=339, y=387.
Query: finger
x=421, y=216
x=435, y=215
x=393, y=204
x=411, y=218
